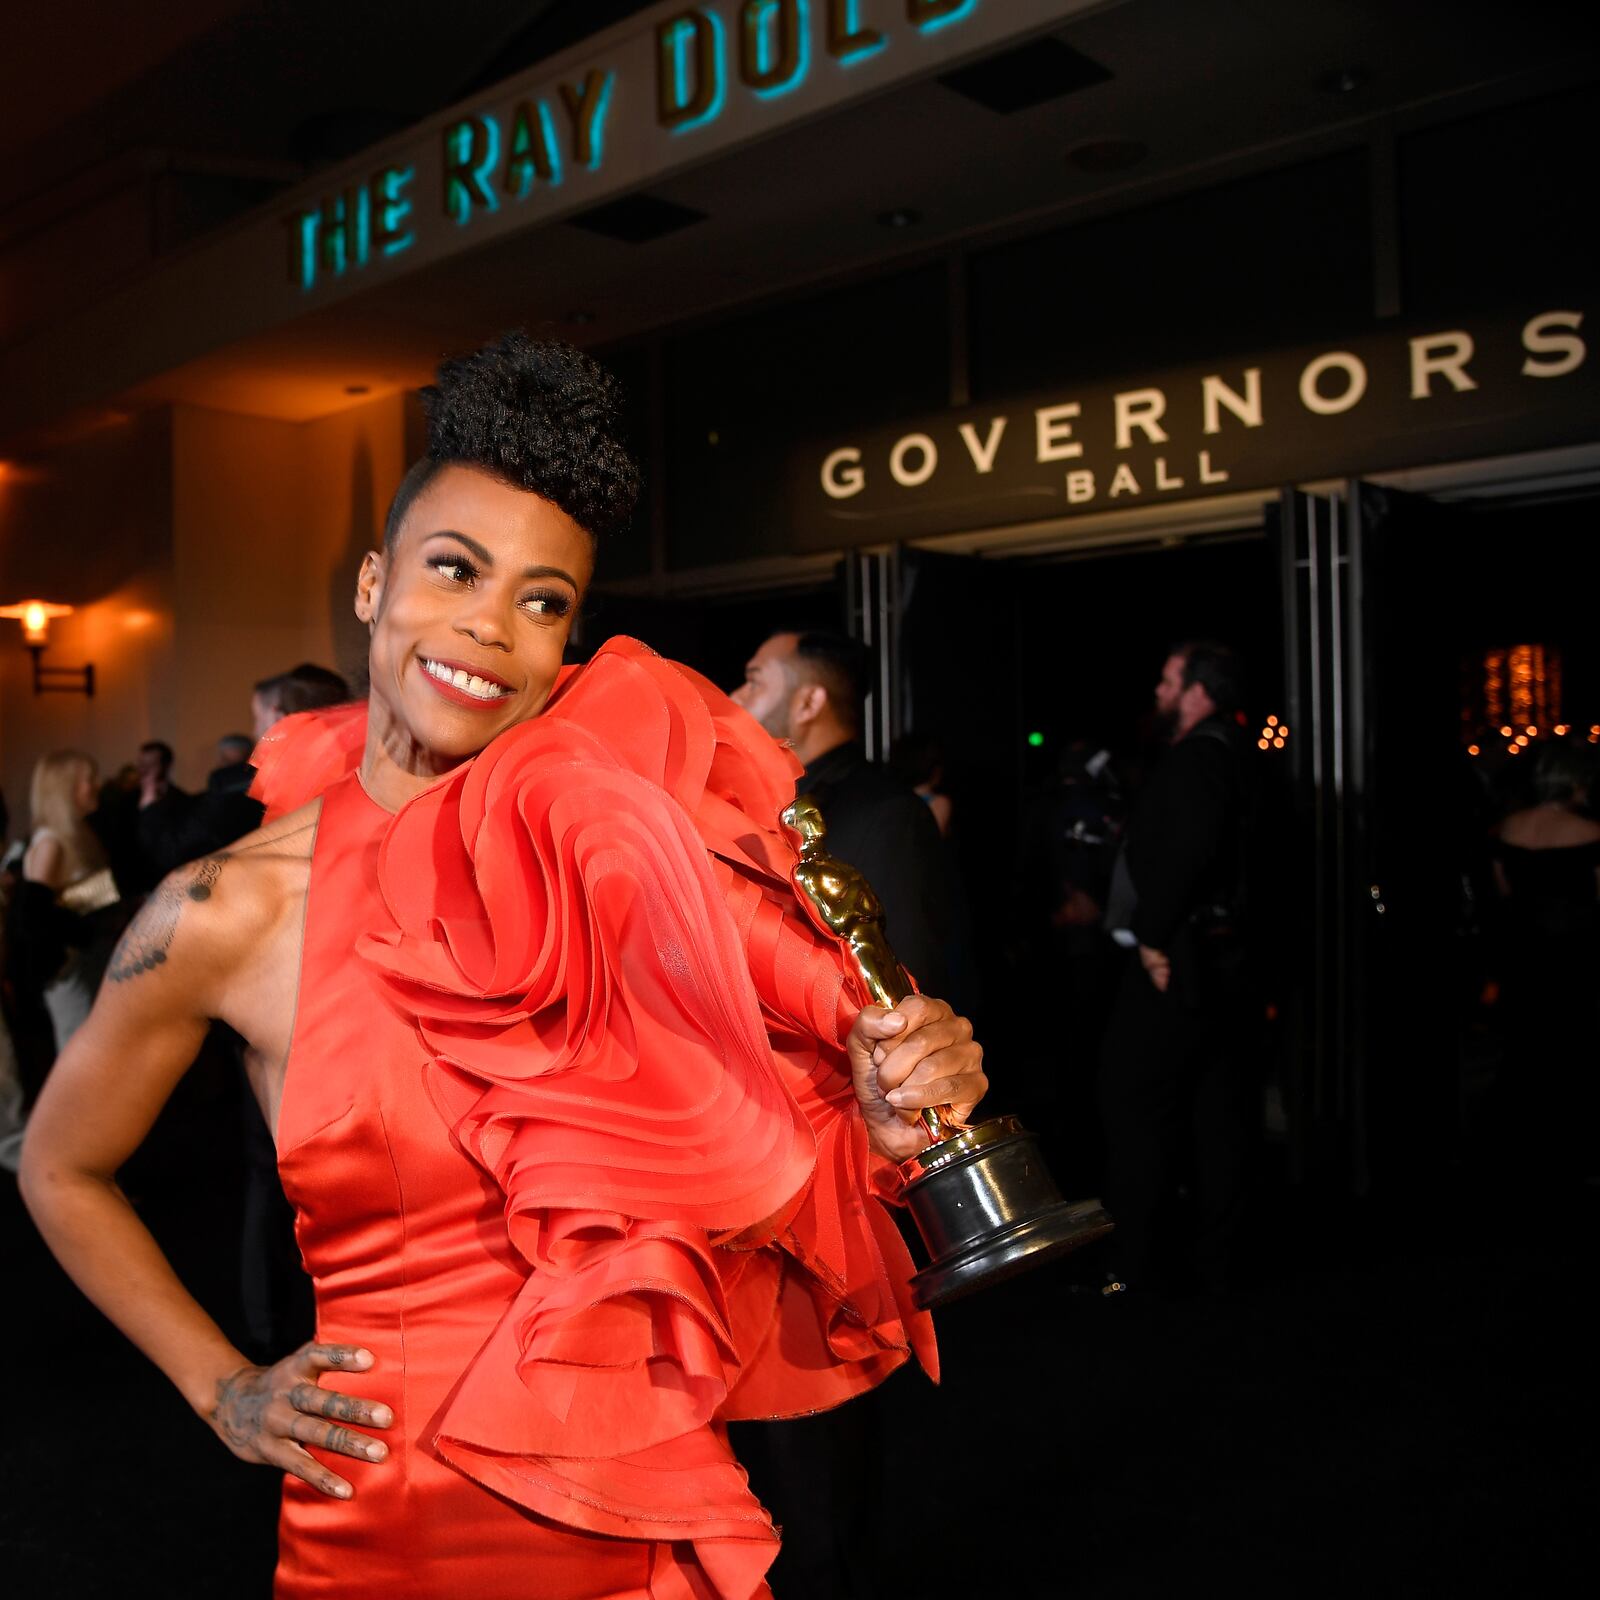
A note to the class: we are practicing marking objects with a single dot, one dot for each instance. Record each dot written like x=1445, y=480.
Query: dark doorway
x=1018, y=671
x=1439, y=654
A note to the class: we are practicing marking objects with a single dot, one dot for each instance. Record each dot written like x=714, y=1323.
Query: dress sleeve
x=300, y=756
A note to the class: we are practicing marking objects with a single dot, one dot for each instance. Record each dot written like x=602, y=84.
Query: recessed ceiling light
x=899, y=217
x=1343, y=80
x=1108, y=155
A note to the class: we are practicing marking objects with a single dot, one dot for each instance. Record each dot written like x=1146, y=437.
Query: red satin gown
x=570, y=1137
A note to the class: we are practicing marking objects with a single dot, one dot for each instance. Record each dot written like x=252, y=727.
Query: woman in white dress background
x=63, y=920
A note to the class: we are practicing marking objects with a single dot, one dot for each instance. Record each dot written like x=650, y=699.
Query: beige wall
x=205, y=550
x=89, y=525
x=270, y=521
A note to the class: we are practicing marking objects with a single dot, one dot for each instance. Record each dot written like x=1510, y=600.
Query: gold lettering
x=1215, y=396
x=1080, y=486
x=983, y=451
x=1123, y=482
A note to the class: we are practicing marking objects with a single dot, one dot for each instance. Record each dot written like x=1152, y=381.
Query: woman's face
x=469, y=613
x=86, y=791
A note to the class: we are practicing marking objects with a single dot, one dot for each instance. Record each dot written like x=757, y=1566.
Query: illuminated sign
x=347, y=230
x=653, y=94
x=1381, y=401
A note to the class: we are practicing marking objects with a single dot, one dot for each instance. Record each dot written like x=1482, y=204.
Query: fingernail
x=894, y=1020
x=375, y=1452
x=383, y=1416
x=897, y=1097
x=342, y=1490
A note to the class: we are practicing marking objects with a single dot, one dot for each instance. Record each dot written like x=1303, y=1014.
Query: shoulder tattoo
x=146, y=940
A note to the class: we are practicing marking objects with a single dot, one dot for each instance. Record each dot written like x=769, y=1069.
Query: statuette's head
x=802, y=816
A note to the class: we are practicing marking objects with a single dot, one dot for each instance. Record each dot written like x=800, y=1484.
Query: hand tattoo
x=146, y=940
x=241, y=1406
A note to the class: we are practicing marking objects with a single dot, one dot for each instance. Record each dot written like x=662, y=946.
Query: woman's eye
x=454, y=568
x=548, y=603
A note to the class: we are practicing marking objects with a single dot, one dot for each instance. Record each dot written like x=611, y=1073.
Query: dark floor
x=1400, y=1405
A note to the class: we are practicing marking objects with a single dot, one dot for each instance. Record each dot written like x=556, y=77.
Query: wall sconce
x=35, y=617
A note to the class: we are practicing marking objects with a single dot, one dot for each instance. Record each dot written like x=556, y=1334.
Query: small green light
x=1036, y=739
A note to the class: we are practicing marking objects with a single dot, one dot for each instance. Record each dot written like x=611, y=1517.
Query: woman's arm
x=175, y=961
x=43, y=862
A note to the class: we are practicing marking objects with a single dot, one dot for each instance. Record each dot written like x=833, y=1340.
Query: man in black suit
x=1177, y=1067
x=808, y=689
x=824, y=1477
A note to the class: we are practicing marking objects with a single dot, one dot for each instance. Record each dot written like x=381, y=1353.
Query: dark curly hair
x=538, y=415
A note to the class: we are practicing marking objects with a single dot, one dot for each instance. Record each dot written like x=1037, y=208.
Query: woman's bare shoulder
x=216, y=912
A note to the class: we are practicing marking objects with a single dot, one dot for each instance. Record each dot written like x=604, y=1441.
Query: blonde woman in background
x=61, y=924
x=65, y=858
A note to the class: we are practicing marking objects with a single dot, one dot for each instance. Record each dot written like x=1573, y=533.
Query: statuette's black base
x=987, y=1208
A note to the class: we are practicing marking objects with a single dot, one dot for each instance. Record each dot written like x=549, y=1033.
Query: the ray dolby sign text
x=731, y=66
x=1481, y=387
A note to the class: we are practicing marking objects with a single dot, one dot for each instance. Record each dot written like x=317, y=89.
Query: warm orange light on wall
x=35, y=617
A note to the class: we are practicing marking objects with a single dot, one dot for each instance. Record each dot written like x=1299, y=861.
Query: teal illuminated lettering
x=586, y=110
x=930, y=15
x=532, y=155
x=302, y=229
x=848, y=39
x=471, y=149
x=774, y=45
x=343, y=232
x=690, y=39
x=392, y=208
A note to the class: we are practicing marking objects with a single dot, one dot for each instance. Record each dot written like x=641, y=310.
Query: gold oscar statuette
x=981, y=1196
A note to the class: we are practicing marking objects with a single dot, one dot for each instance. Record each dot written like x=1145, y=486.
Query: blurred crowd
x=90, y=849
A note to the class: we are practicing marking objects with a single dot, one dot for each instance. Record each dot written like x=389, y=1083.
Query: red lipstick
x=461, y=697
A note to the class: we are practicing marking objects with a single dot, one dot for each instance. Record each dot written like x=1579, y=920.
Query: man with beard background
x=1176, y=1062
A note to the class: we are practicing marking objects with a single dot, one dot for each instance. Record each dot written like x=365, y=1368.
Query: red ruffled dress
x=569, y=1132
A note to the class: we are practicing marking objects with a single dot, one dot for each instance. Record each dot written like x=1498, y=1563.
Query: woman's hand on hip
x=920, y=1054
x=270, y=1414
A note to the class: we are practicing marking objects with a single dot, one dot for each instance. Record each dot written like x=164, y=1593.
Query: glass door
x=1375, y=867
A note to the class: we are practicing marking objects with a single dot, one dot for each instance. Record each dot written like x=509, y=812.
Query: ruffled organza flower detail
x=300, y=756
x=634, y=1030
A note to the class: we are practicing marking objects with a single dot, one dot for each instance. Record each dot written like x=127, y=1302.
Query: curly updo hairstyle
x=540, y=416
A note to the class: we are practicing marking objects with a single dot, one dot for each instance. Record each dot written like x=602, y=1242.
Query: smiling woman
x=588, y=1131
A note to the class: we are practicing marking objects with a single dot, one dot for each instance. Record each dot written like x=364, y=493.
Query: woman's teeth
x=469, y=683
